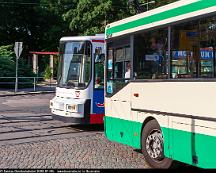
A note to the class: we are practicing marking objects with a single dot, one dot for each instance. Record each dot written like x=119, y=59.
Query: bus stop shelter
x=35, y=60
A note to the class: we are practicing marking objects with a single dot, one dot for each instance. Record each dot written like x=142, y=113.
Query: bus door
x=98, y=88
x=121, y=105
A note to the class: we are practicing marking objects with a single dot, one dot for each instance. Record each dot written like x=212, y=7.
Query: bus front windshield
x=75, y=64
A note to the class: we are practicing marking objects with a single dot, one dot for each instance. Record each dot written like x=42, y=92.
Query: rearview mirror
x=99, y=58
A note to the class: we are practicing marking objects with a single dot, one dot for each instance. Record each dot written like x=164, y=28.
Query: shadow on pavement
x=176, y=164
x=89, y=127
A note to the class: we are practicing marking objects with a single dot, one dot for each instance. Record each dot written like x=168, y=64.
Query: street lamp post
x=139, y=6
x=147, y=4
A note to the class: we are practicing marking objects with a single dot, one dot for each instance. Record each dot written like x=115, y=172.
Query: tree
x=7, y=67
x=91, y=16
x=48, y=73
x=37, y=23
x=7, y=64
x=5, y=51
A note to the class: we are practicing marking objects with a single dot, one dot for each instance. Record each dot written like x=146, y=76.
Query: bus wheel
x=153, y=146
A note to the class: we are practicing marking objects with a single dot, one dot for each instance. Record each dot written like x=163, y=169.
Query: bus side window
x=99, y=69
x=150, y=52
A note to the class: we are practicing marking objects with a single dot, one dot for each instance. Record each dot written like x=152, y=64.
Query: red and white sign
x=77, y=93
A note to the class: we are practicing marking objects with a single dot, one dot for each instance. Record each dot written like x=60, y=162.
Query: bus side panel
x=98, y=107
x=121, y=131
x=167, y=142
x=98, y=101
x=189, y=146
x=107, y=124
x=120, y=126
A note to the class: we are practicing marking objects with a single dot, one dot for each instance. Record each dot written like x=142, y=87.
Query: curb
x=27, y=93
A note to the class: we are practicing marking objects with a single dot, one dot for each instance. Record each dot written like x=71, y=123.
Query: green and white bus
x=161, y=83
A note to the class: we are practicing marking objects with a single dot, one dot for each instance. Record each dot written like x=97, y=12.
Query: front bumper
x=59, y=106
x=59, y=110
x=70, y=120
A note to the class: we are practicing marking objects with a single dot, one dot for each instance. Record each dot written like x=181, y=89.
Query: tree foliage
x=88, y=17
x=39, y=24
x=5, y=51
x=48, y=73
x=91, y=16
x=7, y=63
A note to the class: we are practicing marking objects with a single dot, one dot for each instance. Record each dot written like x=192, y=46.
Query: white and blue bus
x=80, y=92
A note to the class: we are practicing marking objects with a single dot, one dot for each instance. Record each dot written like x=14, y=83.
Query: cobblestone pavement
x=29, y=138
x=90, y=151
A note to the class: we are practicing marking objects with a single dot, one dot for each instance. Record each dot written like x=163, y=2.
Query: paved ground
x=90, y=151
x=29, y=138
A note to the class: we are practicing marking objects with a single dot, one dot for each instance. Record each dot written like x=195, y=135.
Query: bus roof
x=174, y=12
x=78, y=38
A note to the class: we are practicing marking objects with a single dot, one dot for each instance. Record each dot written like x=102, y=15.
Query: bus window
x=75, y=64
x=110, y=64
x=150, y=52
x=99, y=69
x=184, y=50
x=207, y=28
x=118, y=60
x=122, y=63
x=127, y=70
x=109, y=87
x=193, y=49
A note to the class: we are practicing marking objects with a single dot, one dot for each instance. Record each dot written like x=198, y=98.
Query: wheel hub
x=154, y=145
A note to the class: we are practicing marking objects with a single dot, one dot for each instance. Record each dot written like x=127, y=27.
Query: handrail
x=34, y=82
x=20, y=77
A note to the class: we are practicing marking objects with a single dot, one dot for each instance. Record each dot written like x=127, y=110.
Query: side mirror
x=100, y=58
x=135, y=75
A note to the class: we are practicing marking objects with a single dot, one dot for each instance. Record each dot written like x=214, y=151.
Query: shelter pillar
x=35, y=63
x=52, y=64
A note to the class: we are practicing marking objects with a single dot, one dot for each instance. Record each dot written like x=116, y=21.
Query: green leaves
x=91, y=16
x=41, y=23
x=7, y=63
x=6, y=51
x=48, y=73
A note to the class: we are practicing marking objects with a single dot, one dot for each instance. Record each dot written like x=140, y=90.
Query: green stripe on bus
x=190, y=148
x=122, y=131
x=179, y=145
x=200, y=5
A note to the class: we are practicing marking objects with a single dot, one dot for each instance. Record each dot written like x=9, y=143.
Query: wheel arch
x=143, y=125
x=166, y=162
x=149, y=118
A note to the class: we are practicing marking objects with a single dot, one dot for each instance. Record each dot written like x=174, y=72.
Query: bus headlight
x=71, y=108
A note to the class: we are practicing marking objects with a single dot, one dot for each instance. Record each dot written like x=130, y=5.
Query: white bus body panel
x=168, y=100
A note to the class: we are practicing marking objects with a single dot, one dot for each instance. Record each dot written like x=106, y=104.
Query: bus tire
x=152, y=146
